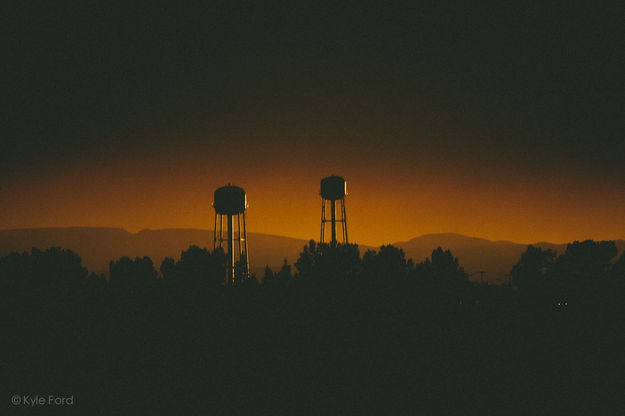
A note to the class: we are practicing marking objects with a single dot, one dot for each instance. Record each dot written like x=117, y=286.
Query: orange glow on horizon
x=386, y=203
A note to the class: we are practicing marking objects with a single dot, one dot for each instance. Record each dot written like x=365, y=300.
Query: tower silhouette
x=333, y=189
x=230, y=202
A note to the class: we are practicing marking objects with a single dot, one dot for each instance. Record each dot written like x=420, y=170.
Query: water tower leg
x=239, y=253
x=344, y=221
x=323, y=218
x=230, y=250
x=333, y=208
x=221, y=229
x=215, y=233
x=247, y=261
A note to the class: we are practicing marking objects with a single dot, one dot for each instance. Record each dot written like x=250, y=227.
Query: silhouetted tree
x=587, y=259
x=285, y=272
x=282, y=278
x=444, y=276
x=387, y=264
x=197, y=268
x=132, y=277
x=268, y=275
x=168, y=268
x=52, y=276
x=328, y=261
x=308, y=258
x=529, y=274
x=444, y=267
x=579, y=274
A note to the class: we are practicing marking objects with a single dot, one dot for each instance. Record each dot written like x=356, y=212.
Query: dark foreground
x=330, y=352
x=338, y=344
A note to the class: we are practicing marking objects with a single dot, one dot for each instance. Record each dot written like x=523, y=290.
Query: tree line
x=583, y=274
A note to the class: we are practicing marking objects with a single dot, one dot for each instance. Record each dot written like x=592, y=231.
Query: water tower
x=230, y=202
x=333, y=189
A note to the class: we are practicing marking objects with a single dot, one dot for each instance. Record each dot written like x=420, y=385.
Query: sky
x=494, y=120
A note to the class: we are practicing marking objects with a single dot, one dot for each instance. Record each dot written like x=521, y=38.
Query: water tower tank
x=333, y=188
x=230, y=200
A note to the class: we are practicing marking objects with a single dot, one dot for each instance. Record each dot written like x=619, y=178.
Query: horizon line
x=298, y=238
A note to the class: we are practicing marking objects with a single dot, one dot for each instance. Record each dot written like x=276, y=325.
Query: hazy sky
x=499, y=121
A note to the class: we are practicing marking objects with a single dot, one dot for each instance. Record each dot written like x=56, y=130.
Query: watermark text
x=41, y=400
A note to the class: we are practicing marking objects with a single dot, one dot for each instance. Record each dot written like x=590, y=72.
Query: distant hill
x=97, y=246
x=495, y=258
